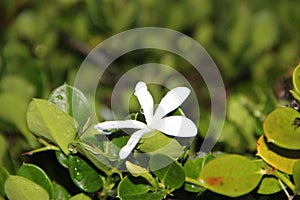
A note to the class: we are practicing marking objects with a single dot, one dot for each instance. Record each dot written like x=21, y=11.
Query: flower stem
x=193, y=181
x=284, y=179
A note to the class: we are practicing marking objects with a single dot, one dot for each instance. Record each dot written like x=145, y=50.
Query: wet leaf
x=62, y=159
x=83, y=175
x=18, y=187
x=168, y=170
x=37, y=175
x=280, y=128
x=282, y=163
x=137, y=188
x=231, y=175
x=73, y=102
x=47, y=120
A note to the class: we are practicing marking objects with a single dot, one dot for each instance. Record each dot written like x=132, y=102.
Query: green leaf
x=60, y=193
x=168, y=170
x=231, y=175
x=192, y=169
x=136, y=171
x=280, y=129
x=13, y=109
x=37, y=175
x=80, y=196
x=137, y=188
x=47, y=120
x=269, y=185
x=98, y=159
x=3, y=176
x=62, y=159
x=72, y=101
x=156, y=142
x=296, y=79
x=276, y=160
x=18, y=187
x=83, y=175
x=296, y=176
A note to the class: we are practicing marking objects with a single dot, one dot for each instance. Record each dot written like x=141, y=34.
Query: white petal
x=172, y=100
x=176, y=126
x=119, y=124
x=145, y=100
x=132, y=142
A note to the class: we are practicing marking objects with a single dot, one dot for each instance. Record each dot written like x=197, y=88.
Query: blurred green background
x=254, y=43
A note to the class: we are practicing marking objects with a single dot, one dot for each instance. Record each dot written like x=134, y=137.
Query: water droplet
x=72, y=148
x=78, y=161
x=142, y=110
x=60, y=97
x=78, y=176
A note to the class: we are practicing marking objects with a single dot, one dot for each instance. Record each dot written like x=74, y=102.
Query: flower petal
x=176, y=126
x=172, y=100
x=132, y=142
x=119, y=124
x=145, y=100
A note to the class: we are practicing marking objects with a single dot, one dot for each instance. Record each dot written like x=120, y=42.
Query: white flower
x=171, y=125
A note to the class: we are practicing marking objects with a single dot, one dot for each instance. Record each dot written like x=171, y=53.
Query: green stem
x=284, y=179
x=46, y=148
x=193, y=181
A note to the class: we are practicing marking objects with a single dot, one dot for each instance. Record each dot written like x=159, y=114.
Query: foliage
x=254, y=44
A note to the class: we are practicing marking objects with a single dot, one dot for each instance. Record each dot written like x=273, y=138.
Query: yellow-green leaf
x=281, y=129
x=17, y=187
x=47, y=120
x=231, y=175
x=282, y=163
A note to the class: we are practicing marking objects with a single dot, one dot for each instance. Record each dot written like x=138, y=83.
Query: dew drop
x=72, y=148
x=78, y=176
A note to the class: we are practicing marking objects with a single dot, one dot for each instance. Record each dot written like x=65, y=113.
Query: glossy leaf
x=18, y=187
x=280, y=162
x=269, y=185
x=47, y=120
x=280, y=128
x=62, y=159
x=80, y=196
x=37, y=175
x=157, y=142
x=137, y=188
x=3, y=176
x=73, y=102
x=98, y=159
x=296, y=176
x=60, y=193
x=83, y=175
x=172, y=173
x=231, y=175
